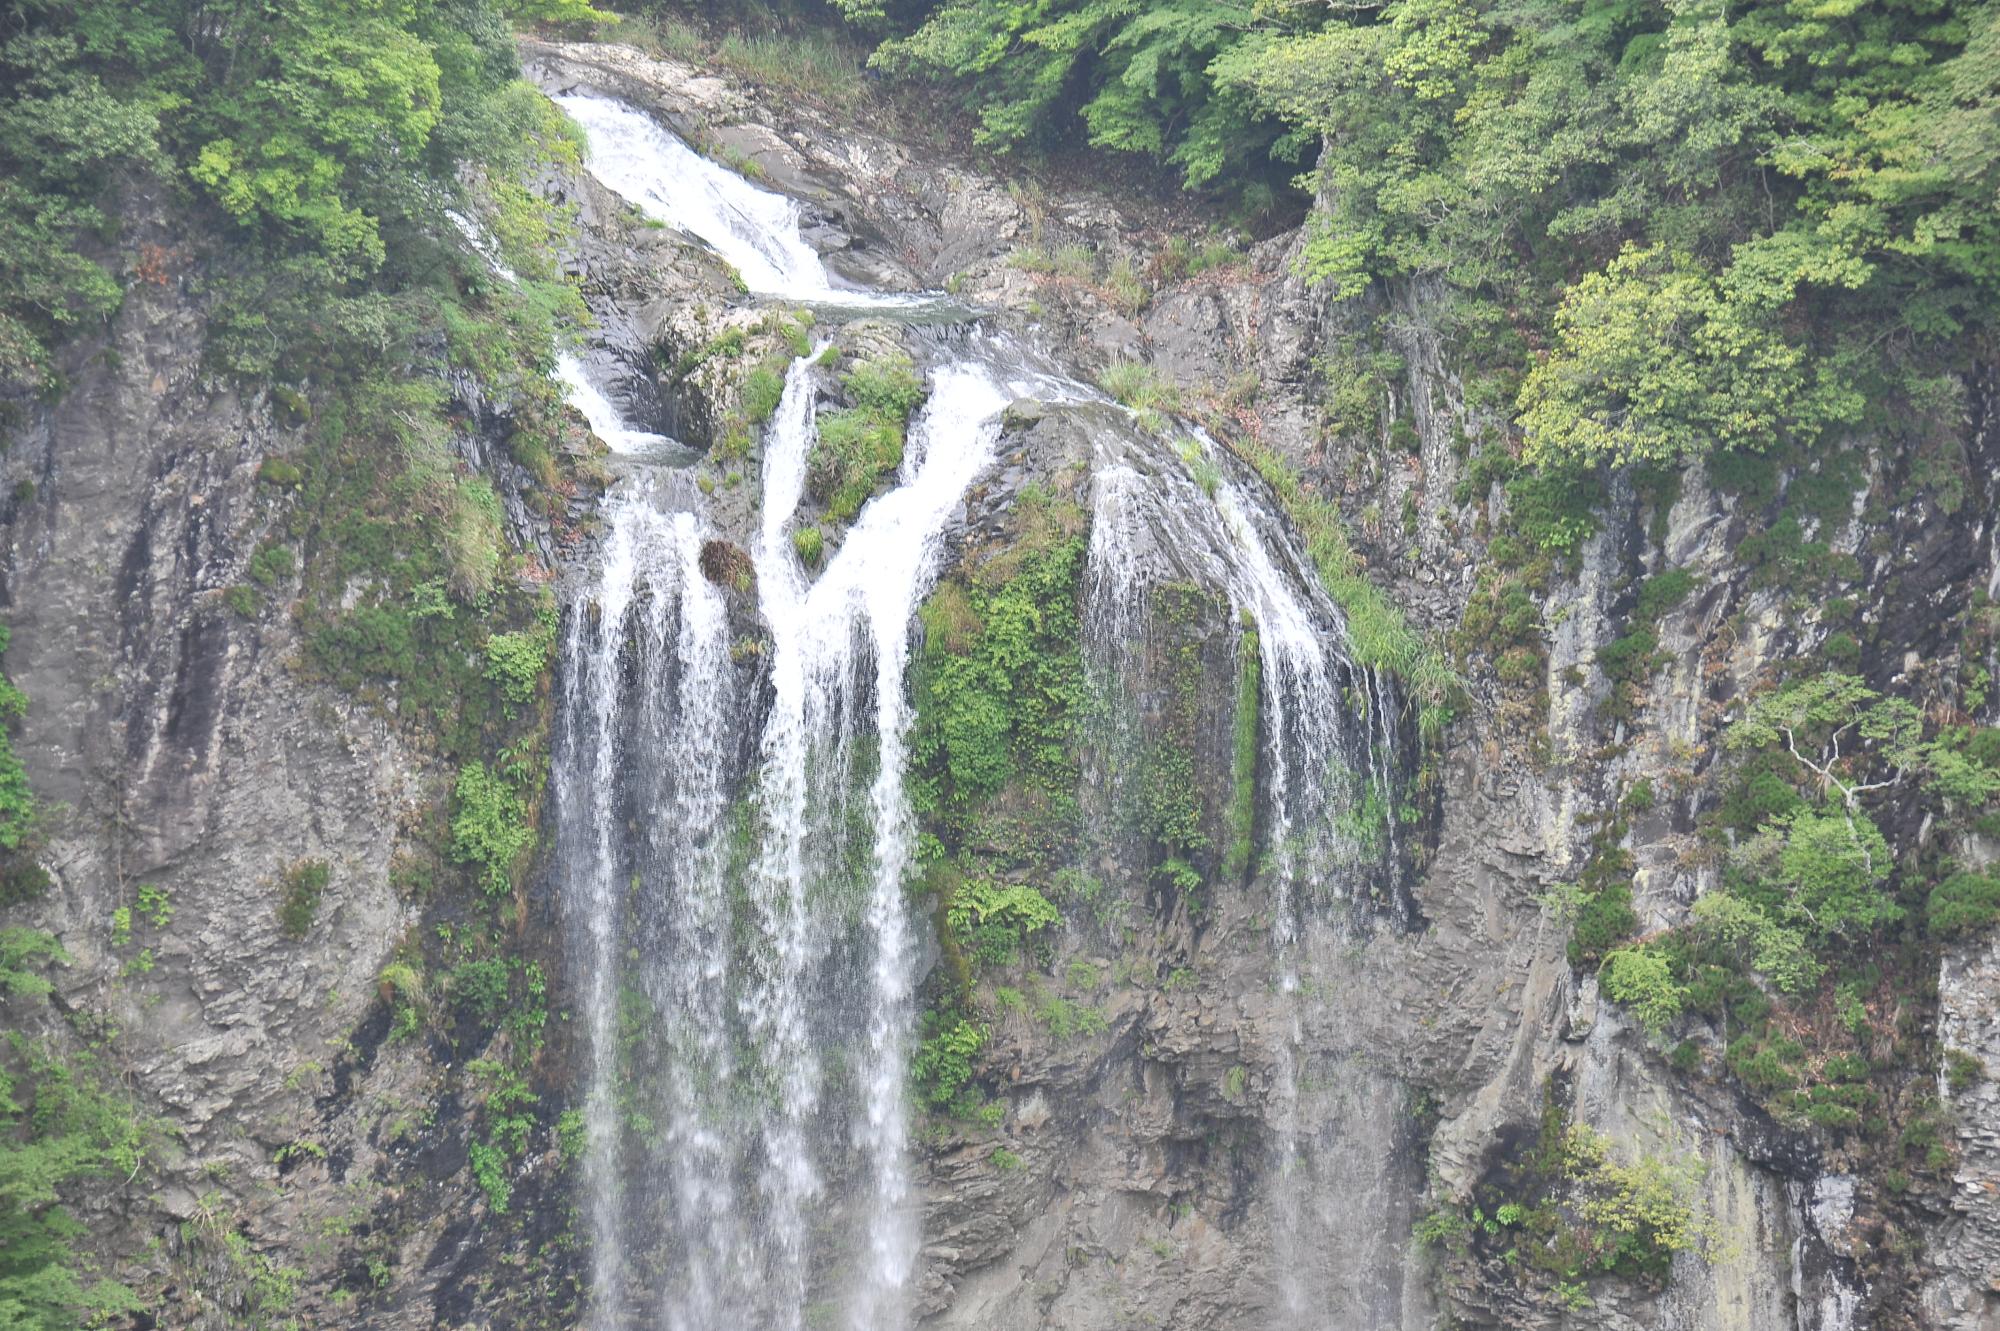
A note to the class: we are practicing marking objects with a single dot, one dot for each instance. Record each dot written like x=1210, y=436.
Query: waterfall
x=840, y=644
x=756, y=230
x=647, y=710
x=1166, y=515
x=605, y=422
x=734, y=836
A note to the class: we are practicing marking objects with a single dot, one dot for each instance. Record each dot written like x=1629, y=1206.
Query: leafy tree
x=1136, y=75
x=1657, y=361
x=74, y=105
x=58, y=1128
x=1780, y=952
x=329, y=114
x=1642, y=980
x=1852, y=741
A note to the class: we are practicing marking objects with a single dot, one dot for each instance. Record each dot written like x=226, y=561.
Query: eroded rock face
x=1965, y=1292
x=178, y=751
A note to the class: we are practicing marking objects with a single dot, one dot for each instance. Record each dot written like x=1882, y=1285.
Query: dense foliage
x=61, y=1126
x=1667, y=230
x=327, y=134
x=1796, y=957
x=342, y=187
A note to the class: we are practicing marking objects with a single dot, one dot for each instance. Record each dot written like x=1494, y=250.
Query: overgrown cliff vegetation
x=1666, y=231
x=296, y=167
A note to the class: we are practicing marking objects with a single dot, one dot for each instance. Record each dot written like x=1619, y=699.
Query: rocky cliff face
x=1148, y=1166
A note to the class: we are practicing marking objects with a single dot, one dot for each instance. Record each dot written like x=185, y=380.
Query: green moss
x=1167, y=811
x=280, y=472
x=1242, y=815
x=729, y=344
x=301, y=888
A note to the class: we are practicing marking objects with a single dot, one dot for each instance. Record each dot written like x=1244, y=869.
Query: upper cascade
x=756, y=230
x=605, y=421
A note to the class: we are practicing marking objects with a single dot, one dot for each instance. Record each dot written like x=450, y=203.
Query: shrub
x=992, y=921
x=1962, y=904
x=272, y=565
x=762, y=391
x=1555, y=507
x=303, y=884
x=489, y=828
x=941, y=1069
x=888, y=386
x=1654, y=360
x=516, y=662
x=489, y=1171
x=1642, y=980
x=860, y=444
x=479, y=988
x=1605, y=919
x=1663, y=592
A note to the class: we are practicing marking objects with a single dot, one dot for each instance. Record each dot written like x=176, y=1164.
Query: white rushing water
x=605, y=422
x=756, y=230
x=647, y=707
x=840, y=649
x=1323, y=779
x=604, y=419
x=734, y=833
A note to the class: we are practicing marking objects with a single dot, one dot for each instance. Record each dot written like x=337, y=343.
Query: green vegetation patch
x=1576, y=1206
x=1000, y=690
x=861, y=444
x=1242, y=812
x=300, y=888
x=489, y=827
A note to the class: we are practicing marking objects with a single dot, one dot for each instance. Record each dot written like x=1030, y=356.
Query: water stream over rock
x=734, y=832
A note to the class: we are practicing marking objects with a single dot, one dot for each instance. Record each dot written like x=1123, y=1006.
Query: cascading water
x=756, y=230
x=647, y=708
x=839, y=646
x=734, y=832
x=1324, y=778
x=605, y=422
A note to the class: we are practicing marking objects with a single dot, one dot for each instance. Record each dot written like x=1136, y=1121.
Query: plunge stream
x=732, y=858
